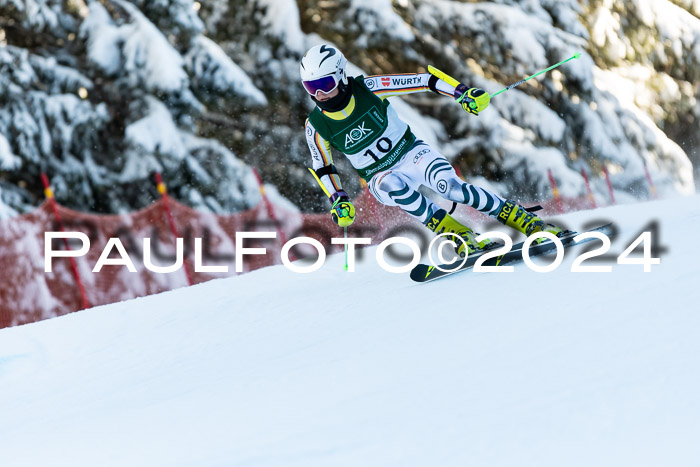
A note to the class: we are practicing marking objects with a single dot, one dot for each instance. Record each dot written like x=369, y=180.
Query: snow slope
x=274, y=368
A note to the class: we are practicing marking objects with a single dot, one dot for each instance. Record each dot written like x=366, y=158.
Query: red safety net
x=30, y=294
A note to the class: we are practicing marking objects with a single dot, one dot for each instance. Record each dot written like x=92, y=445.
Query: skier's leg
x=392, y=189
x=439, y=175
x=398, y=187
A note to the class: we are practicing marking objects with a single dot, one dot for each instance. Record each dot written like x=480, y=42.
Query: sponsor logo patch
x=370, y=84
x=357, y=134
x=417, y=158
x=406, y=81
x=314, y=153
x=330, y=51
x=386, y=81
x=506, y=210
x=442, y=186
x=432, y=225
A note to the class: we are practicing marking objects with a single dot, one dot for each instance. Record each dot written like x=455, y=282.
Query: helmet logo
x=326, y=50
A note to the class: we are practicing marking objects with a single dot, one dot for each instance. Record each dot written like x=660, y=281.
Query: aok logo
x=356, y=135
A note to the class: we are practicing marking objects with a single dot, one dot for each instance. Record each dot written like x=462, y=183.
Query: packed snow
x=367, y=368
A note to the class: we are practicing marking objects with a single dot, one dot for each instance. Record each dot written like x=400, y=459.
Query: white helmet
x=322, y=68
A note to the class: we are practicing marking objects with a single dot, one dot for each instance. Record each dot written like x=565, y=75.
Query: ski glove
x=342, y=211
x=472, y=100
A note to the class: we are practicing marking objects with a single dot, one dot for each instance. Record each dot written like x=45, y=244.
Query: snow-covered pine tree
x=100, y=96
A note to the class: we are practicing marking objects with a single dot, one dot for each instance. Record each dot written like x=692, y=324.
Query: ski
x=427, y=273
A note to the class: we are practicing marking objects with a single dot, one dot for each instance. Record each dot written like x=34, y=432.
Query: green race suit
x=368, y=131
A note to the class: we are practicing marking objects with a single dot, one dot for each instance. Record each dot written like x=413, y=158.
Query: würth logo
x=406, y=81
x=386, y=81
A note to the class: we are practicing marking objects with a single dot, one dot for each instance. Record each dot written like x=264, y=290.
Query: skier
x=353, y=116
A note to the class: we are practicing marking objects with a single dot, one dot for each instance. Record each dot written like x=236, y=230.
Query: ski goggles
x=325, y=84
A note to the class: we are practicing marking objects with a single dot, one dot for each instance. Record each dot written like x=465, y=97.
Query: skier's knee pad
x=454, y=189
x=391, y=182
x=388, y=183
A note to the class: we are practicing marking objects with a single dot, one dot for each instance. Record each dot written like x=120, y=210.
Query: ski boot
x=441, y=222
x=515, y=216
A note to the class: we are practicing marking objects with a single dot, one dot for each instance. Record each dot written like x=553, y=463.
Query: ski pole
x=576, y=55
x=453, y=82
x=345, y=233
x=345, y=229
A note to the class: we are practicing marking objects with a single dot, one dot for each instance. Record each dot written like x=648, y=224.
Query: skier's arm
x=342, y=210
x=472, y=100
x=399, y=85
x=322, y=160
